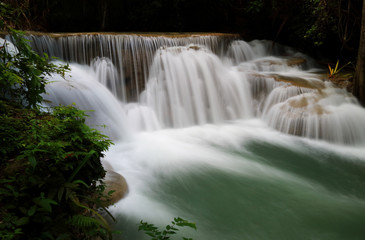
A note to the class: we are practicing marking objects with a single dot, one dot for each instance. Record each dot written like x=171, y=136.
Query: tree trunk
x=359, y=80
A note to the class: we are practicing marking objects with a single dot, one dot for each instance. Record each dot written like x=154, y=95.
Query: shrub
x=49, y=172
x=50, y=167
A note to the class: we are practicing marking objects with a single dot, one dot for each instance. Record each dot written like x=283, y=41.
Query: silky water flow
x=246, y=139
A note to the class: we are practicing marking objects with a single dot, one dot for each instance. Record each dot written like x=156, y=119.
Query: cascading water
x=189, y=85
x=130, y=54
x=245, y=139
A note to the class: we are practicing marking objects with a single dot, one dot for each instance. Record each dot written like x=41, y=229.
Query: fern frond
x=80, y=221
x=101, y=219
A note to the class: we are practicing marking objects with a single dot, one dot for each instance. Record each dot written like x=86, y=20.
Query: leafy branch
x=169, y=230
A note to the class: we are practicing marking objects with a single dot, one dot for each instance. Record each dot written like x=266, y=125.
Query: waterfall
x=193, y=80
x=131, y=54
x=190, y=85
x=82, y=87
x=247, y=139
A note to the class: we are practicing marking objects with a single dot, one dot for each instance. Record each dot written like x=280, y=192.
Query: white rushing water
x=247, y=139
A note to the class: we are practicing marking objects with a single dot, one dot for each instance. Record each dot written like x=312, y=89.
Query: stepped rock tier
x=179, y=80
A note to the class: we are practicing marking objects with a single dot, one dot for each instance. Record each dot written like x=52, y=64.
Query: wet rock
x=114, y=182
x=299, y=82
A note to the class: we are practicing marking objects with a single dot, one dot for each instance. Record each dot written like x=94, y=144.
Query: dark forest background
x=323, y=28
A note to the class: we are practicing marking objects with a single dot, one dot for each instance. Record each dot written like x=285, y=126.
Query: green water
x=276, y=192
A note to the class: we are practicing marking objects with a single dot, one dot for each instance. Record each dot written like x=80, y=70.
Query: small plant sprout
x=333, y=72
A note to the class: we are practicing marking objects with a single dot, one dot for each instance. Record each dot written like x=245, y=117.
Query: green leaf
x=46, y=204
x=80, y=182
x=7, y=180
x=85, y=160
x=32, y=161
x=22, y=221
x=153, y=232
x=111, y=192
x=32, y=210
x=23, y=210
x=150, y=234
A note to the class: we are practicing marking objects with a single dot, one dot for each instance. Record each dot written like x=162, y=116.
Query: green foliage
x=50, y=169
x=169, y=230
x=254, y=6
x=49, y=172
x=321, y=20
x=22, y=71
x=22, y=13
x=331, y=23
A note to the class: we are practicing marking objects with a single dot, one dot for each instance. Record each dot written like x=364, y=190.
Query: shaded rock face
x=114, y=182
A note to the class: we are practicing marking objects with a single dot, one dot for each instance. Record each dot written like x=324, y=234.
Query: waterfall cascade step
x=174, y=81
